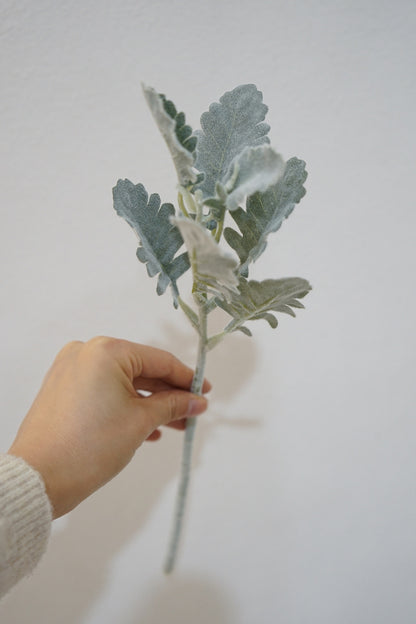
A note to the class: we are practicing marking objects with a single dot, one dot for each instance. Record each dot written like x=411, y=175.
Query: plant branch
x=218, y=231
x=210, y=305
x=196, y=388
x=193, y=318
x=182, y=205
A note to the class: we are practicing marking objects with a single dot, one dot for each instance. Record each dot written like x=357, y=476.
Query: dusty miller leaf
x=159, y=239
x=176, y=134
x=244, y=330
x=228, y=127
x=265, y=213
x=256, y=300
x=182, y=130
x=192, y=316
x=252, y=171
x=213, y=269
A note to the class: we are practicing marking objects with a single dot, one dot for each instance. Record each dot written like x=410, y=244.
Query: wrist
x=31, y=458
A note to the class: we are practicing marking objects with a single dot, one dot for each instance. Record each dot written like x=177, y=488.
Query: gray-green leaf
x=256, y=300
x=228, y=127
x=213, y=269
x=252, y=171
x=265, y=213
x=245, y=330
x=176, y=133
x=159, y=239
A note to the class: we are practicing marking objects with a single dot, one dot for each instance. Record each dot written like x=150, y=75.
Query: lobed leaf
x=265, y=213
x=227, y=128
x=182, y=130
x=176, y=133
x=159, y=240
x=256, y=300
x=213, y=269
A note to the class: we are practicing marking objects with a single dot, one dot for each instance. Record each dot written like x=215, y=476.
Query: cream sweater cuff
x=25, y=520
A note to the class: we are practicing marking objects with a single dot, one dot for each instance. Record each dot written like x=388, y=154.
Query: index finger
x=152, y=363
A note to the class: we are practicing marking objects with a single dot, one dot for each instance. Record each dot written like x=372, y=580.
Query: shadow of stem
x=76, y=569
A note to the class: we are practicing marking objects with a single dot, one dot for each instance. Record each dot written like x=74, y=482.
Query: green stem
x=219, y=230
x=182, y=205
x=196, y=388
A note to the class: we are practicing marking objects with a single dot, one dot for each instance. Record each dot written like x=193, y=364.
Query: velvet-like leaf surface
x=213, y=269
x=265, y=213
x=227, y=128
x=252, y=171
x=256, y=300
x=176, y=134
x=182, y=130
x=159, y=239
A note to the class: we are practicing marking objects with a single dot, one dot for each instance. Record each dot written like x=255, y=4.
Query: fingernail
x=196, y=406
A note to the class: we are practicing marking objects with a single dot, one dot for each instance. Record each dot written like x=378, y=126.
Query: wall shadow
x=76, y=569
x=184, y=599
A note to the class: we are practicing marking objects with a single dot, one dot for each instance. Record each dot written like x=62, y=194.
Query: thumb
x=164, y=407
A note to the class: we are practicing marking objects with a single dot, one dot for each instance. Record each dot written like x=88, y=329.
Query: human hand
x=89, y=418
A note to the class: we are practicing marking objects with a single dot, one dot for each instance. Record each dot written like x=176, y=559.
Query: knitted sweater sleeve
x=25, y=520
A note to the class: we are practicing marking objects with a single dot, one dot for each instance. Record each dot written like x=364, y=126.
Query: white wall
x=302, y=508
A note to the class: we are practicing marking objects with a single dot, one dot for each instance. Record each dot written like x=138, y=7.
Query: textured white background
x=303, y=497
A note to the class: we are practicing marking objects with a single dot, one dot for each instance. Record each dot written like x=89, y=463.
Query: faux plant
x=227, y=163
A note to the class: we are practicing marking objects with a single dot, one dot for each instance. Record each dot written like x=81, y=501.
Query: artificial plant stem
x=182, y=205
x=196, y=388
x=219, y=230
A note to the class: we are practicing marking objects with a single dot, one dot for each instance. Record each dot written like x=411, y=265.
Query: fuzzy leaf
x=252, y=171
x=192, y=316
x=213, y=341
x=176, y=134
x=228, y=127
x=182, y=130
x=256, y=300
x=213, y=269
x=265, y=213
x=245, y=330
x=158, y=238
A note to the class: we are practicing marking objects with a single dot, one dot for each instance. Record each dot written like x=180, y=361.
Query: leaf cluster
x=227, y=167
